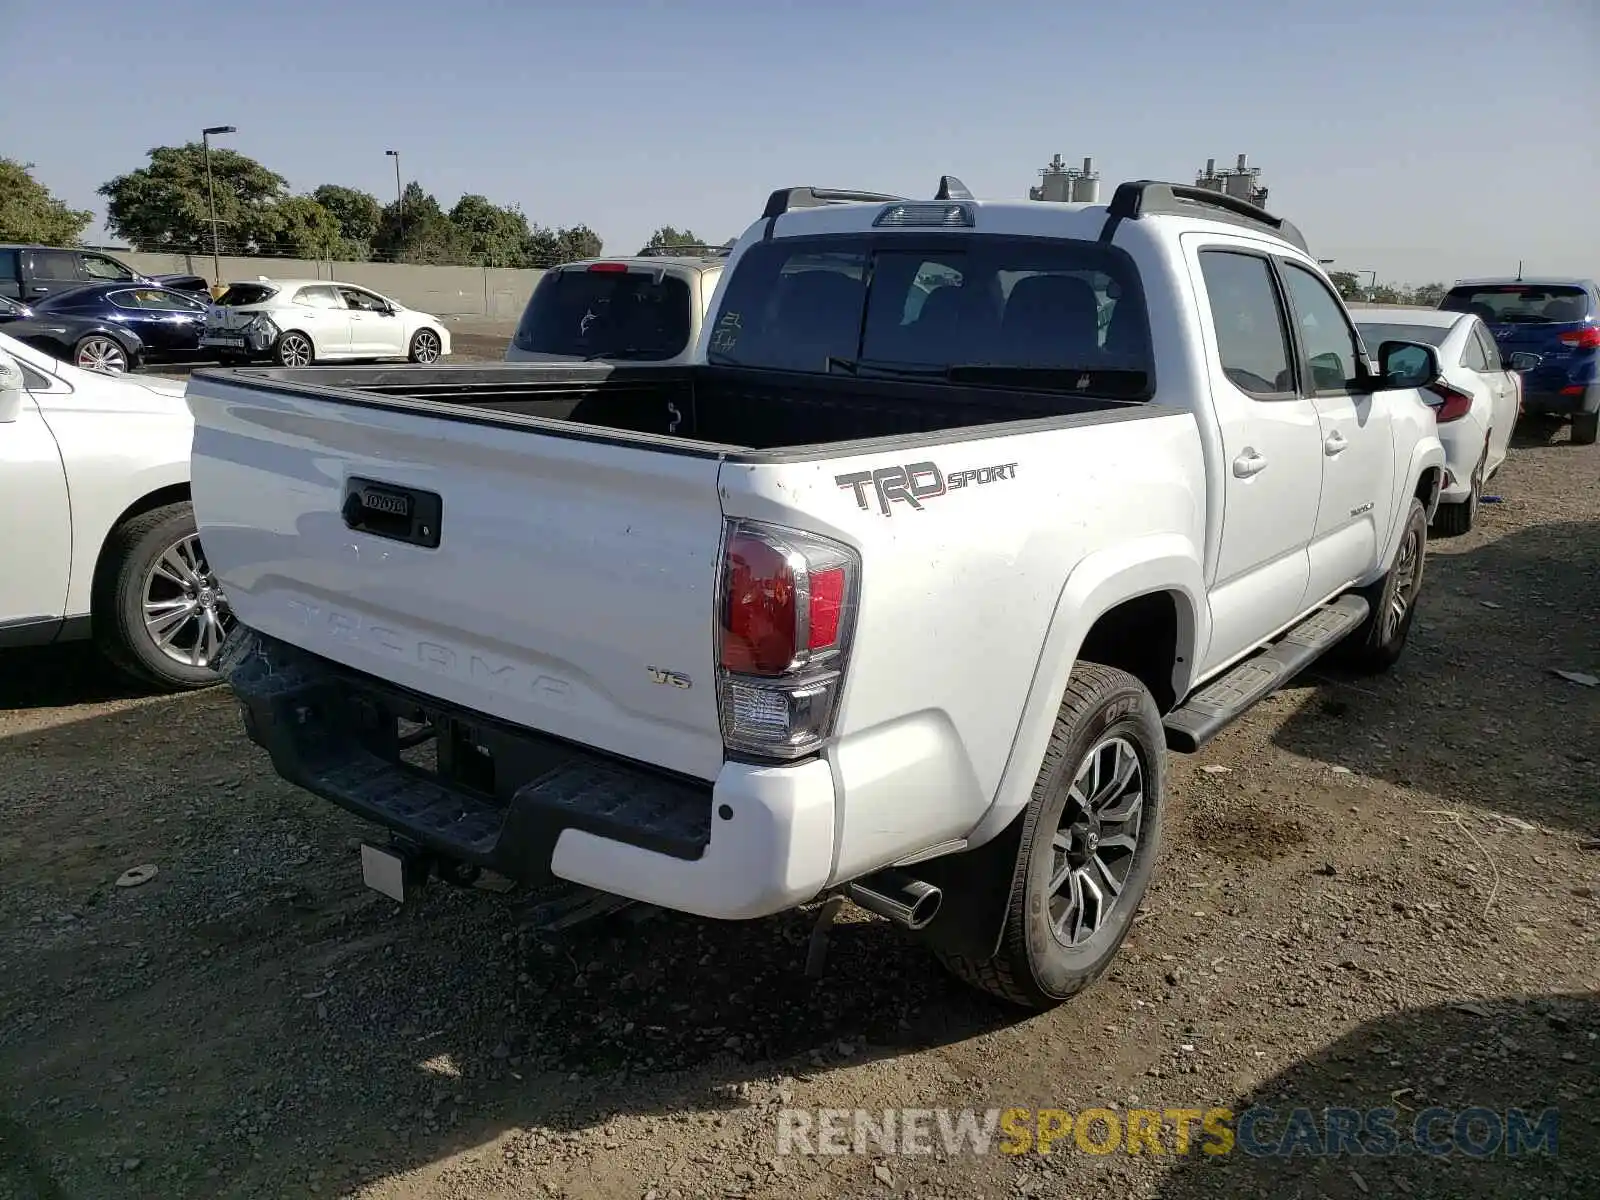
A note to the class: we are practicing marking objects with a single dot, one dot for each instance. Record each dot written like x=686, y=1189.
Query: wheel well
x=171, y=494
x=1139, y=636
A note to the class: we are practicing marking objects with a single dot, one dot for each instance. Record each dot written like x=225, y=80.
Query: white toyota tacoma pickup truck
x=966, y=514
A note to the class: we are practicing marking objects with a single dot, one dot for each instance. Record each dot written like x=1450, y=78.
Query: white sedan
x=297, y=322
x=1476, y=400
x=97, y=535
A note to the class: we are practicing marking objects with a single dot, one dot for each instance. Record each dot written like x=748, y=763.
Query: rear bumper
x=757, y=841
x=1563, y=404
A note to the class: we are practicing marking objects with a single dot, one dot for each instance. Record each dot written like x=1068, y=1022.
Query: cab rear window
x=599, y=313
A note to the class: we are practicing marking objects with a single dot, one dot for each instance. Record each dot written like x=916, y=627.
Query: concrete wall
x=495, y=293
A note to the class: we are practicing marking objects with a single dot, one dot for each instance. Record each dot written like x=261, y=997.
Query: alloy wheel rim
x=427, y=347
x=1406, y=567
x=296, y=351
x=1096, y=840
x=185, y=610
x=103, y=355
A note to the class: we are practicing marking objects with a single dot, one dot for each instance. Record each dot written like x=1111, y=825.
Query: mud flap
x=977, y=886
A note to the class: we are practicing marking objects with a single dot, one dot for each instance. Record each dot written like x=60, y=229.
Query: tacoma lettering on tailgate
x=916, y=482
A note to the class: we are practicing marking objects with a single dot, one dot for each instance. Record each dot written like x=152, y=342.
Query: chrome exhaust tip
x=908, y=902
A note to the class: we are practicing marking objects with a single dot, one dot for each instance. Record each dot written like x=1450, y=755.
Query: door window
x=362, y=301
x=9, y=265
x=155, y=300
x=1248, y=318
x=1330, y=343
x=54, y=265
x=98, y=266
x=318, y=297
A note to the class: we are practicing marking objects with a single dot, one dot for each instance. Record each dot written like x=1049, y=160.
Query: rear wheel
x=98, y=352
x=295, y=349
x=1090, y=836
x=1377, y=644
x=159, y=613
x=1453, y=520
x=1585, y=428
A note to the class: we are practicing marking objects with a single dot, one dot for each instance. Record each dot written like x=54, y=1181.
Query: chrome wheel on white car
x=159, y=612
x=295, y=350
x=425, y=347
x=100, y=353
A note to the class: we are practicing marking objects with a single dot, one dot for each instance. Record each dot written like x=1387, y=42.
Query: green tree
x=166, y=205
x=358, y=214
x=1429, y=294
x=579, y=241
x=417, y=230
x=1347, y=284
x=492, y=236
x=29, y=213
x=305, y=229
x=548, y=247
x=667, y=238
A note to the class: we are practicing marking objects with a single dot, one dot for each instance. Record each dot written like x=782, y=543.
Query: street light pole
x=399, y=193
x=1372, y=288
x=211, y=192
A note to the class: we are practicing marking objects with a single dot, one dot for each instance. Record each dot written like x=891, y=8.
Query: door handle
x=1335, y=444
x=1249, y=463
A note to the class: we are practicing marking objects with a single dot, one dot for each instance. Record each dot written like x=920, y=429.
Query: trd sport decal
x=916, y=482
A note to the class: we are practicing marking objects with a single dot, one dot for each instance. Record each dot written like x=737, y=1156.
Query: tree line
x=1349, y=286
x=166, y=206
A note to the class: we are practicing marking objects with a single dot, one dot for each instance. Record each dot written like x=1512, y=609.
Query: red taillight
x=1453, y=404
x=612, y=268
x=786, y=612
x=1587, y=338
x=760, y=623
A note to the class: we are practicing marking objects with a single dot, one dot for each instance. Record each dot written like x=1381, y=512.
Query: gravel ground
x=1374, y=893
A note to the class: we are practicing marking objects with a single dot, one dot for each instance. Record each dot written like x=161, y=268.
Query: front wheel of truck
x=1379, y=641
x=1090, y=837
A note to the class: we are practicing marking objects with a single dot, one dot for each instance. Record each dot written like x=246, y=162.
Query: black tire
x=120, y=632
x=1453, y=520
x=1378, y=642
x=290, y=347
x=1034, y=967
x=426, y=347
x=114, y=357
x=1585, y=428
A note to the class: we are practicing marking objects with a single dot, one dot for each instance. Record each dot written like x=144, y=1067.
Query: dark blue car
x=1552, y=327
x=166, y=323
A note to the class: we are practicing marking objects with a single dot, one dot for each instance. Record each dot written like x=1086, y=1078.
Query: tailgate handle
x=388, y=510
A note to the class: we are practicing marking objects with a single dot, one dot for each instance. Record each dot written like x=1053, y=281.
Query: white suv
x=645, y=308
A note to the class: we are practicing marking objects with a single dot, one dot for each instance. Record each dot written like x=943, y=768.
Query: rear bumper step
x=1225, y=699
x=492, y=795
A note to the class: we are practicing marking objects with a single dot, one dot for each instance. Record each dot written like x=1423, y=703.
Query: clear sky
x=1425, y=139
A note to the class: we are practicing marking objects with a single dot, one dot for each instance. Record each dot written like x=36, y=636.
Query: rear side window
x=239, y=294
x=607, y=314
x=9, y=265
x=1070, y=314
x=1521, y=303
x=155, y=300
x=98, y=266
x=318, y=297
x=55, y=265
x=1251, y=338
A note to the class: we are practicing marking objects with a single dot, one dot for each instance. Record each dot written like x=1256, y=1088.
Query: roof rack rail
x=787, y=199
x=1148, y=197
x=685, y=250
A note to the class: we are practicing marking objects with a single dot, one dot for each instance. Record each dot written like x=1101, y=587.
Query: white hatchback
x=297, y=322
x=1476, y=400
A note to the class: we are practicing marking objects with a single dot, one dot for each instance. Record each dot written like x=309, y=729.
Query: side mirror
x=1406, y=365
x=1522, y=361
x=12, y=389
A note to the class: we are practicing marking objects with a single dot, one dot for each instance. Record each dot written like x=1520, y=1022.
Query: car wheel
x=295, y=349
x=425, y=346
x=1378, y=642
x=97, y=352
x=1585, y=428
x=1090, y=837
x=1453, y=520
x=159, y=612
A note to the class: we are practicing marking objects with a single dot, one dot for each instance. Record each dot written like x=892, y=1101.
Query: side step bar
x=1224, y=700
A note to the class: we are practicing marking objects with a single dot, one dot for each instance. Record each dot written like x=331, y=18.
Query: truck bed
x=705, y=409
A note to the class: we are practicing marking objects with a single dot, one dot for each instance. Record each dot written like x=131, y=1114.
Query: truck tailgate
x=570, y=590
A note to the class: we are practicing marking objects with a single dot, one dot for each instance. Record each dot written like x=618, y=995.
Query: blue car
x=165, y=324
x=1548, y=330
